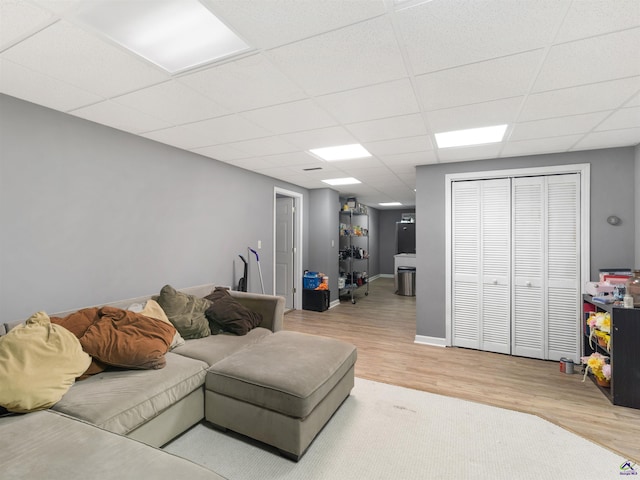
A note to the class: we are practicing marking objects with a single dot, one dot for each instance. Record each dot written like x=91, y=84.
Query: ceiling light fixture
x=471, y=136
x=340, y=152
x=342, y=181
x=174, y=34
x=390, y=204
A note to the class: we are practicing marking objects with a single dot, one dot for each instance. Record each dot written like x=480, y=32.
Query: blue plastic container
x=311, y=280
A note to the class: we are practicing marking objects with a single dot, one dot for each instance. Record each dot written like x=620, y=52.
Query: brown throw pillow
x=227, y=313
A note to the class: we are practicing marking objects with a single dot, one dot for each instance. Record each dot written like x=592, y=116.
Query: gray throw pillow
x=185, y=312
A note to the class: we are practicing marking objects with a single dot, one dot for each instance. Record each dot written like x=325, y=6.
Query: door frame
x=298, y=199
x=584, y=169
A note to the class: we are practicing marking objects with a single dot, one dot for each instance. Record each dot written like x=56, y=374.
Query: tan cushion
x=39, y=361
x=287, y=372
x=153, y=310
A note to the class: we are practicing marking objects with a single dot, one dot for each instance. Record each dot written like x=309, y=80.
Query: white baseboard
x=433, y=341
x=385, y=275
x=335, y=303
x=374, y=278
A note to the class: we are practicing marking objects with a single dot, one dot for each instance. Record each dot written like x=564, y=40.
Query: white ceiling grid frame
x=367, y=91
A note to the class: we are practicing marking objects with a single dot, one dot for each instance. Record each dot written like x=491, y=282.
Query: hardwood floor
x=383, y=328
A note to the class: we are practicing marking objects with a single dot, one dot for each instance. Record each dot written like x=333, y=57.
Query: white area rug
x=388, y=432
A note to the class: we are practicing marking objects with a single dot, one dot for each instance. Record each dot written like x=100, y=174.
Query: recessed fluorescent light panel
x=390, y=204
x=342, y=181
x=472, y=136
x=340, y=152
x=174, y=34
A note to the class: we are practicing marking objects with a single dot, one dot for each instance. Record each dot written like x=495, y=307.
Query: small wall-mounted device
x=613, y=220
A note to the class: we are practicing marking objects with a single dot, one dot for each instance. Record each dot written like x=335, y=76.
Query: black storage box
x=316, y=300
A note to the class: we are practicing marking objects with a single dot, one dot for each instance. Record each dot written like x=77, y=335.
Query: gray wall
x=374, y=241
x=324, y=205
x=90, y=214
x=387, y=236
x=612, y=193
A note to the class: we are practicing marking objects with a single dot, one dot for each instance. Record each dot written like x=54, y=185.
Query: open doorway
x=287, y=257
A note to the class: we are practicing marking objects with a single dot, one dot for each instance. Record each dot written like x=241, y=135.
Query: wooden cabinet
x=624, y=351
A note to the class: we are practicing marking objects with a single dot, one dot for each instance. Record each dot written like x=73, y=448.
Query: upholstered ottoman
x=281, y=391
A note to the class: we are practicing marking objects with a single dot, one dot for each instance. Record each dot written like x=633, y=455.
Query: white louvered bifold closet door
x=481, y=264
x=563, y=267
x=546, y=272
x=529, y=303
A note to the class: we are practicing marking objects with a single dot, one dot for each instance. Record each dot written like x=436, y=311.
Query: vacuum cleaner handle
x=255, y=253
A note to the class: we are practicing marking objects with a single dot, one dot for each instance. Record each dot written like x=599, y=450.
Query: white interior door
x=481, y=264
x=284, y=265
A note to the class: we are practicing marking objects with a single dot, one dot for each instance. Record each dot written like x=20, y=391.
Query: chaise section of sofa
x=48, y=444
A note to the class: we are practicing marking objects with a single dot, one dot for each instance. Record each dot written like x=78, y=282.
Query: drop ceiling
x=389, y=74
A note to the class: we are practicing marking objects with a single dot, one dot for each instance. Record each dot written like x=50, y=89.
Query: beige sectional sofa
x=155, y=406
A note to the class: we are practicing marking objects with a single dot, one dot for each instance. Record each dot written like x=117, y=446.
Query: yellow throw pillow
x=39, y=362
x=152, y=309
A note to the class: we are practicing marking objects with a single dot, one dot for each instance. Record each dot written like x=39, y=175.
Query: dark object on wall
x=242, y=284
x=316, y=300
x=405, y=237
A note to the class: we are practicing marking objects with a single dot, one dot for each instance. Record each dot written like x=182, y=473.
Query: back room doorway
x=287, y=228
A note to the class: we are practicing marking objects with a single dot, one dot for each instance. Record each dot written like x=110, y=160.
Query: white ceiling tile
x=408, y=178
x=354, y=56
x=539, y=146
x=610, y=138
x=358, y=164
x=479, y=82
x=596, y=59
x=267, y=24
x=118, y=116
x=245, y=84
x=444, y=34
x=406, y=168
x=389, y=128
x=35, y=87
x=484, y=114
x=19, y=19
x=633, y=102
x=412, y=159
x=263, y=146
x=291, y=117
x=224, y=153
x=290, y=159
x=364, y=174
x=70, y=54
x=368, y=103
x=577, y=100
x=215, y=131
x=322, y=137
x=254, y=163
x=623, y=118
x=400, y=145
x=182, y=136
x=469, y=153
x=58, y=6
x=555, y=127
x=587, y=18
x=173, y=102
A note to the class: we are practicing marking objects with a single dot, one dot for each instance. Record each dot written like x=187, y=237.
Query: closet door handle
x=495, y=281
x=528, y=284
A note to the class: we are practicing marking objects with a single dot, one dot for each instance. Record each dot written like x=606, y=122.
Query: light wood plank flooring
x=382, y=326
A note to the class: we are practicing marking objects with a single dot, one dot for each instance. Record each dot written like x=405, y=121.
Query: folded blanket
x=120, y=338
